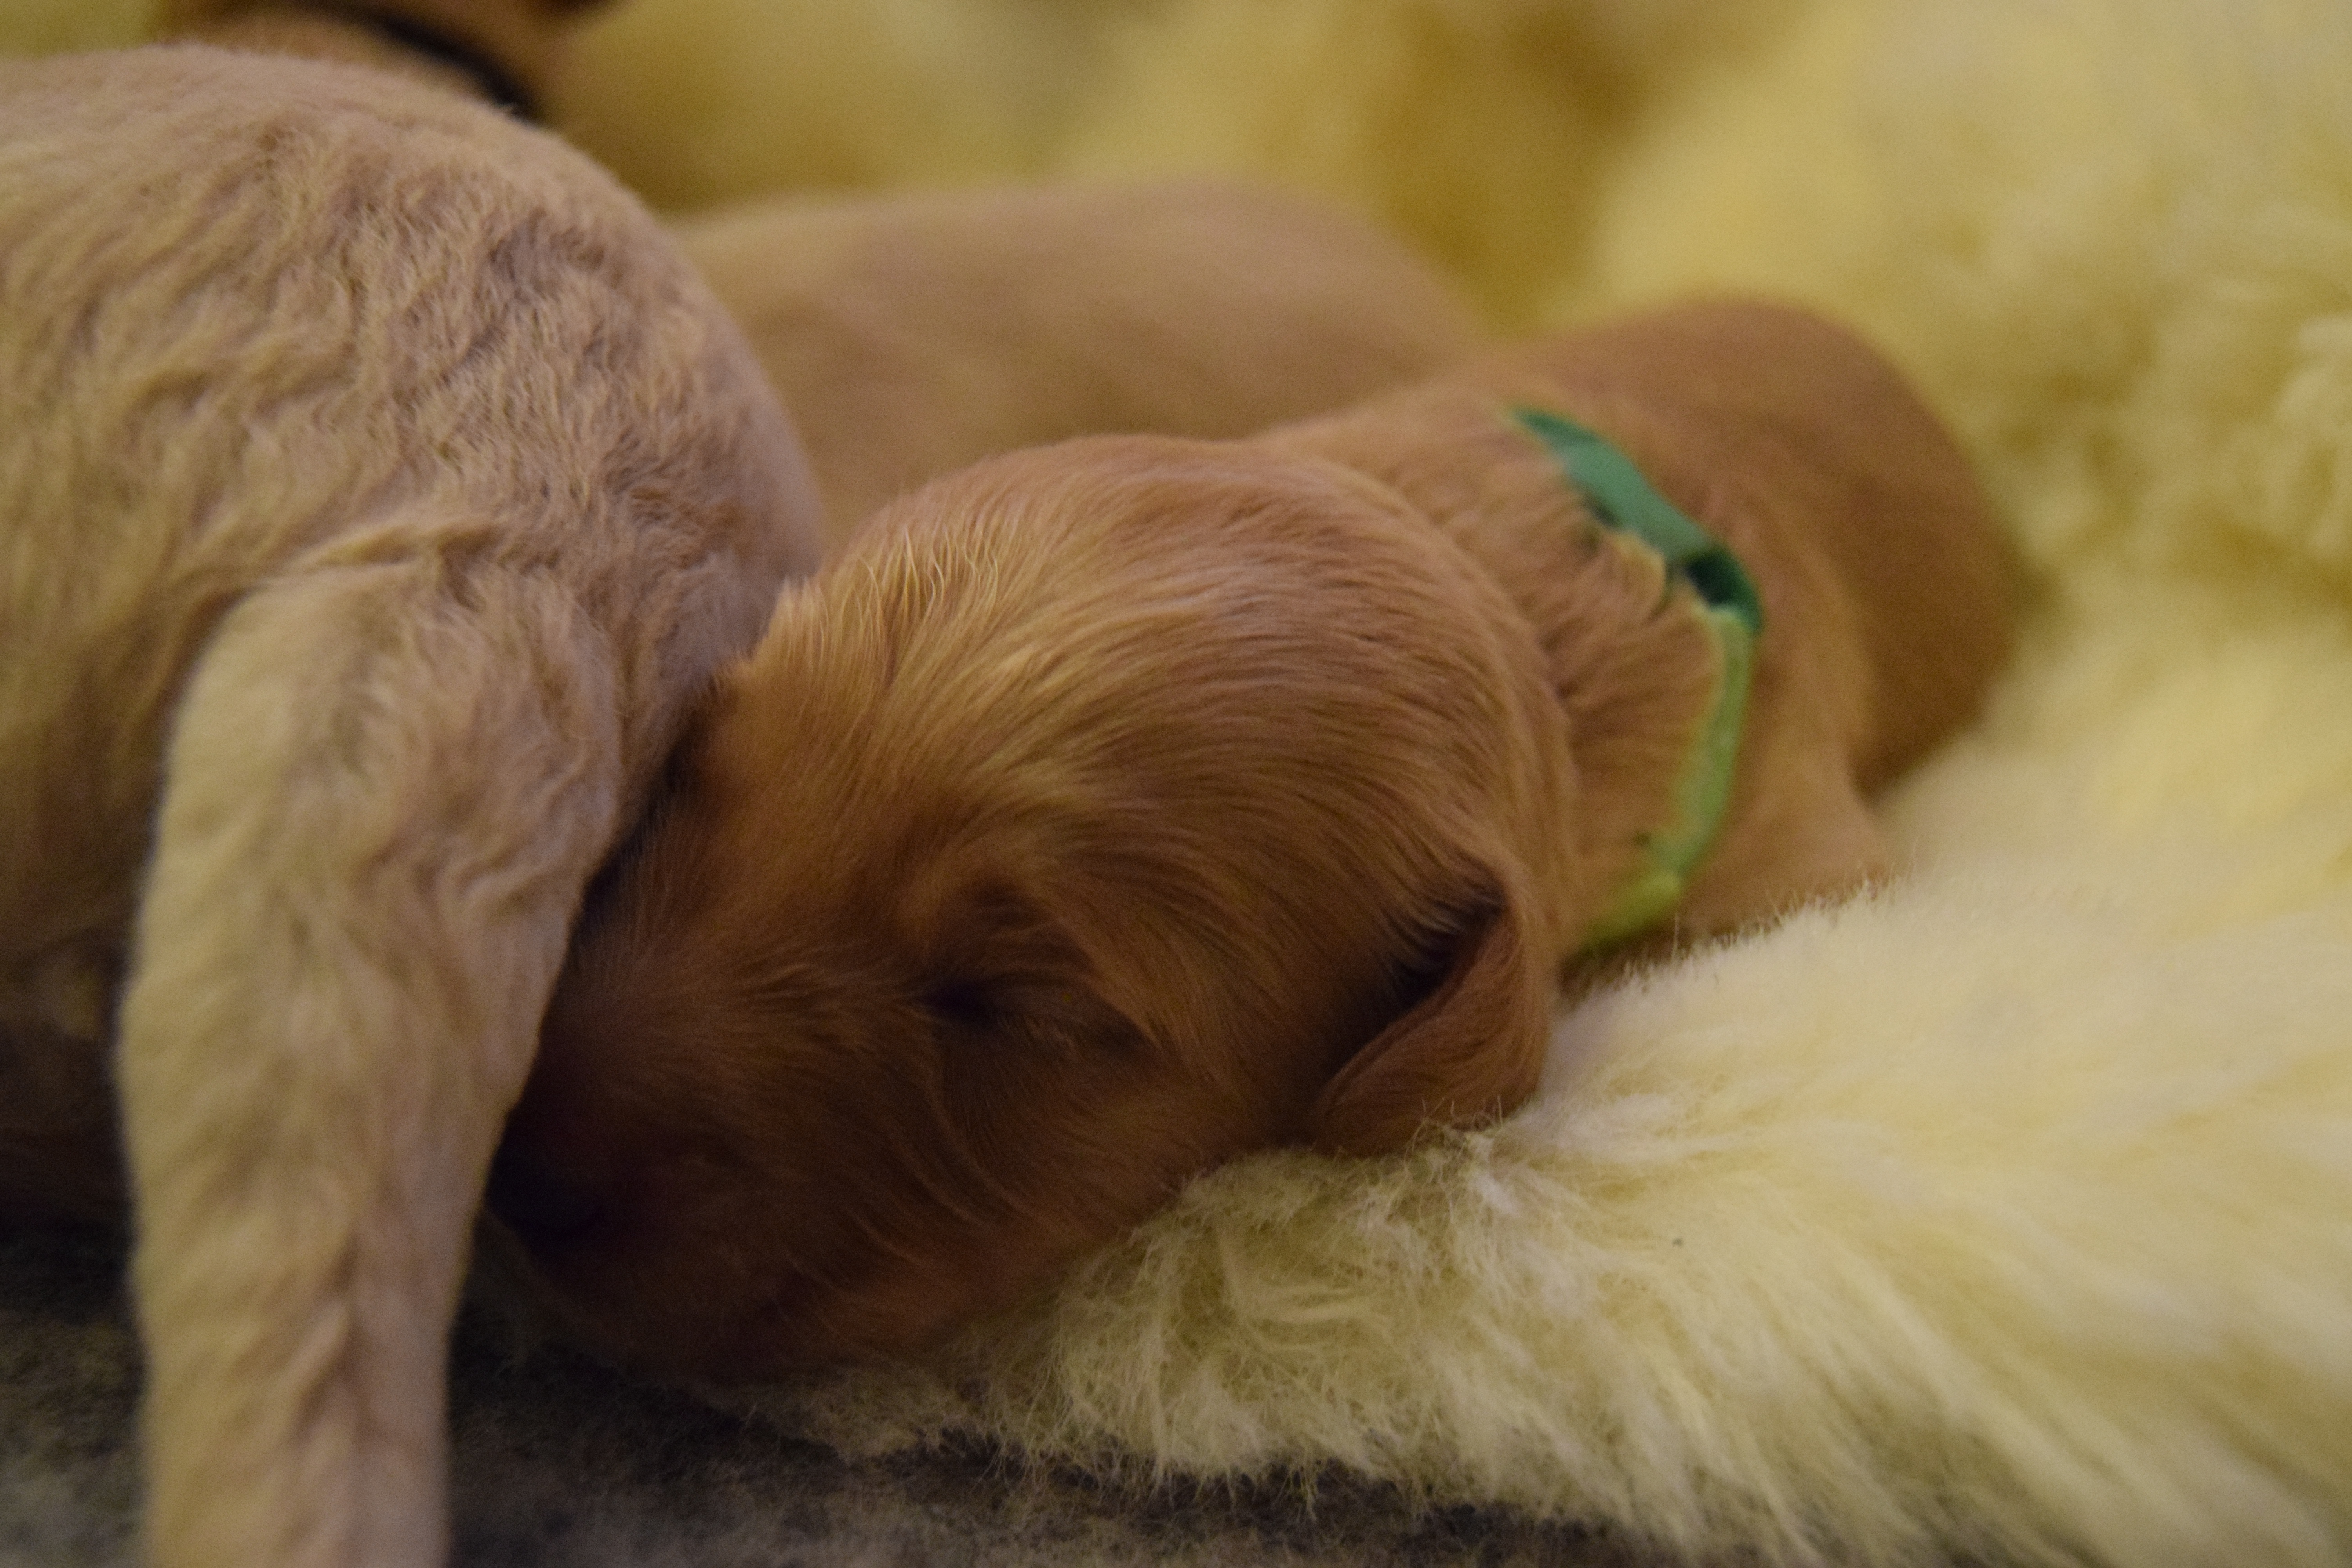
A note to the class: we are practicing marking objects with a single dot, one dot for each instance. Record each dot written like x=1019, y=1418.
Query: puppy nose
x=539, y=1205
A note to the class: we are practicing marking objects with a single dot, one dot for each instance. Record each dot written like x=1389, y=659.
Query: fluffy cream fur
x=700, y=101
x=2012, y=1202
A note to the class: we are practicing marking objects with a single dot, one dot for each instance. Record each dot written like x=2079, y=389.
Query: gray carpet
x=559, y=1461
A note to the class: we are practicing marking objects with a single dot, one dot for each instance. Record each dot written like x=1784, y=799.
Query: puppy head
x=1106, y=811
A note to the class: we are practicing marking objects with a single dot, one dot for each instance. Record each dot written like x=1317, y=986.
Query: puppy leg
x=389, y=783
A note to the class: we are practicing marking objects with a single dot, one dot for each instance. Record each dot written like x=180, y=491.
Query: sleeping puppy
x=1112, y=809
x=382, y=482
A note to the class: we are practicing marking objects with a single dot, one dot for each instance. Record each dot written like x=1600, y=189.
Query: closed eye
x=1041, y=1012
x=965, y=1004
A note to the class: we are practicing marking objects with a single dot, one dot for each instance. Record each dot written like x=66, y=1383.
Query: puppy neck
x=1646, y=623
x=1618, y=495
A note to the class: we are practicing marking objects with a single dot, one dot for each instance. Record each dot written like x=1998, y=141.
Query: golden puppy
x=382, y=482
x=1114, y=808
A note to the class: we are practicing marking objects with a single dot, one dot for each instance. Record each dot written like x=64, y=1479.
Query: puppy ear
x=1464, y=1050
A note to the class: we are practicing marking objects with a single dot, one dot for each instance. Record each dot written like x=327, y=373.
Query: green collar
x=1624, y=502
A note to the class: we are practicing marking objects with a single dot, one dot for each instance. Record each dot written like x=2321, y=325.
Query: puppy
x=1112, y=809
x=913, y=335
x=382, y=484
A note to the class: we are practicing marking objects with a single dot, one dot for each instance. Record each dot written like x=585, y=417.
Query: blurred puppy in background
x=914, y=334
x=1111, y=809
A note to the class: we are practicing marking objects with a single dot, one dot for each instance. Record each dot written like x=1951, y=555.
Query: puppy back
x=1808, y=453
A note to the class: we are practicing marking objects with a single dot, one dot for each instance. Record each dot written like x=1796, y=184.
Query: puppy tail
x=390, y=781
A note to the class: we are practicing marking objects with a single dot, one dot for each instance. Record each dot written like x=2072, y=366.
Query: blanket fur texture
x=2002, y=1213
